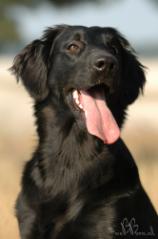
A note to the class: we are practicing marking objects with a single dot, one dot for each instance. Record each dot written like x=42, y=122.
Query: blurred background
x=23, y=21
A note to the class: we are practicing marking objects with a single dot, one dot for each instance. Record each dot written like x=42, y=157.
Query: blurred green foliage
x=8, y=27
x=8, y=30
x=69, y=2
x=13, y=2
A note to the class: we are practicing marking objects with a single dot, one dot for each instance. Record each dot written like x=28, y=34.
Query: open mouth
x=98, y=118
x=92, y=91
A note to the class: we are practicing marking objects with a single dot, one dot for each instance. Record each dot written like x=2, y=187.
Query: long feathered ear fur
x=31, y=65
x=133, y=73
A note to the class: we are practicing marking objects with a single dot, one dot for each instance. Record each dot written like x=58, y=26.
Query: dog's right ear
x=31, y=65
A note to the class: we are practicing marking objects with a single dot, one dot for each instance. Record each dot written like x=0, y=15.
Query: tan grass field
x=18, y=138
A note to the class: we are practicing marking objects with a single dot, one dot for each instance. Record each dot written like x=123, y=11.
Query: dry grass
x=18, y=138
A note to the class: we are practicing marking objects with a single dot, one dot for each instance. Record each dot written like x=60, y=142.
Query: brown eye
x=73, y=48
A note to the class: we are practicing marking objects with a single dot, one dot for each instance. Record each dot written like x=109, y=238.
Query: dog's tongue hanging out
x=99, y=119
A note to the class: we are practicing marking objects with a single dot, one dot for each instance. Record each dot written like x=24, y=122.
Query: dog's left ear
x=132, y=71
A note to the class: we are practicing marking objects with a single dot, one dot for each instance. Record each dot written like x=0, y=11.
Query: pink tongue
x=99, y=119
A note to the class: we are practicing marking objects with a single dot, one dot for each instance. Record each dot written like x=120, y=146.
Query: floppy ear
x=132, y=71
x=31, y=65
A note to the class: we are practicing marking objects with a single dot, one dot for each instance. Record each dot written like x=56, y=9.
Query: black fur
x=76, y=187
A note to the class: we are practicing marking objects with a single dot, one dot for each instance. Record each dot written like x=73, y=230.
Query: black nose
x=105, y=64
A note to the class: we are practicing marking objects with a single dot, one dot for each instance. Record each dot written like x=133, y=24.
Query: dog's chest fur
x=76, y=181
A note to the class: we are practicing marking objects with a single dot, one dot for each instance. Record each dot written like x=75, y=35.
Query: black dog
x=82, y=182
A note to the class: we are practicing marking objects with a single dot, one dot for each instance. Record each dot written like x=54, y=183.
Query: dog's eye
x=73, y=48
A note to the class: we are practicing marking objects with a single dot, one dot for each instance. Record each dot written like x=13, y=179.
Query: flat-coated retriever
x=82, y=182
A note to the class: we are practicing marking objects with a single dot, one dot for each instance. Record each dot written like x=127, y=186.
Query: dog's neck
x=59, y=131
x=66, y=152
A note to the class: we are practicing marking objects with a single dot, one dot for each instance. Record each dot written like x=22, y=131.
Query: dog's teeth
x=75, y=94
x=77, y=101
x=81, y=107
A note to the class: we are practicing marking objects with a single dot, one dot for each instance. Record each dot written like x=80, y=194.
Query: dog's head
x=93, y=71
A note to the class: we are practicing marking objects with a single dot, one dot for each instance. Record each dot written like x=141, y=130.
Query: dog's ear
x=31, y=68
x=31, y=65
x=132, y=71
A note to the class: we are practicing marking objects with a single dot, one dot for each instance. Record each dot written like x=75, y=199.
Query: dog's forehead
x=88, y=34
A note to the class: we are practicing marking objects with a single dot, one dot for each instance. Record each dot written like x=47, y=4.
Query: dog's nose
x=105, y=64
